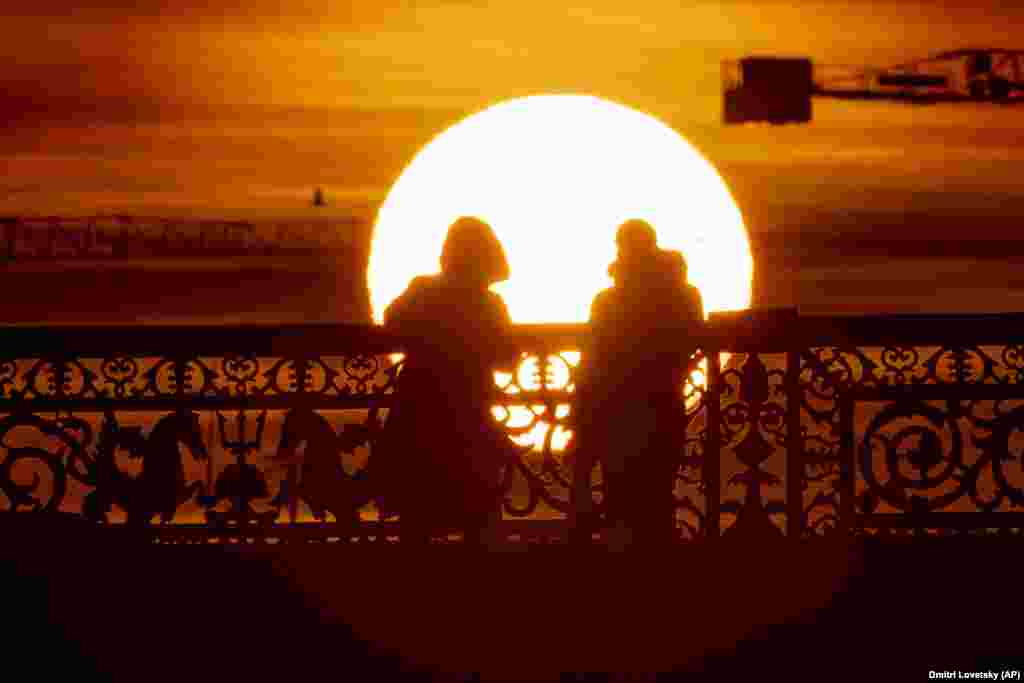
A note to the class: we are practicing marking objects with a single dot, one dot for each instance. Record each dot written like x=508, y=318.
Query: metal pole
x=209, y=458
x=847, y=464
x=794, y=449
x=712, y=445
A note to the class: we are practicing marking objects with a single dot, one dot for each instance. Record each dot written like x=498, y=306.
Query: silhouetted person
x=439, y=460
x=630, y=394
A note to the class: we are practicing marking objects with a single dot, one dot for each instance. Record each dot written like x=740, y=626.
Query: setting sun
x=555, y=175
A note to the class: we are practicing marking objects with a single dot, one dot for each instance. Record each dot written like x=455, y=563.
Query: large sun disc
x=554, y=175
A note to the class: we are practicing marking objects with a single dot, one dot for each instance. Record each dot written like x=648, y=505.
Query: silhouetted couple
x=439, y=461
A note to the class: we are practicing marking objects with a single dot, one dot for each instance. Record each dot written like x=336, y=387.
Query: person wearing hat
x=629, y=394
x=438, y=462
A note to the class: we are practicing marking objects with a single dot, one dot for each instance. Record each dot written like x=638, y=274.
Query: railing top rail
x=911, y=330
x=740, y=331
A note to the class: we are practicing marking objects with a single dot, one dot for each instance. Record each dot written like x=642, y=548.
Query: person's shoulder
x=604, y=304
x=605, y=296
x=496, y=306
x=694, y=301
x=422, y=288
x=421, y=282
x=416, y=294
x=494, y=299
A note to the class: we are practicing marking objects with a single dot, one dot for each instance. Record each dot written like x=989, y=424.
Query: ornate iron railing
x=813, y=426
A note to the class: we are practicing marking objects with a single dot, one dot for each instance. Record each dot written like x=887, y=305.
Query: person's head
x=635, y=238
x=674, y=264
x=637, y=246
x=472, y=253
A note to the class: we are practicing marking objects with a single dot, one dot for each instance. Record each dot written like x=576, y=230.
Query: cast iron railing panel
x=813, y=426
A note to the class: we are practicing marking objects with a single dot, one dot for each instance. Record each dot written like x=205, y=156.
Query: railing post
x=301, y=366
x=847, y=465
x=794, y=449
x=712, y=471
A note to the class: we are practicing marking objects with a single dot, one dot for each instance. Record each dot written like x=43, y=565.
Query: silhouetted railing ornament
x=815, y=426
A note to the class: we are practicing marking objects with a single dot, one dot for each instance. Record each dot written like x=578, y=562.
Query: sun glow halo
x=555, y=175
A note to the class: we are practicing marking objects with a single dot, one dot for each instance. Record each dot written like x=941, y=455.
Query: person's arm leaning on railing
x=507, y=352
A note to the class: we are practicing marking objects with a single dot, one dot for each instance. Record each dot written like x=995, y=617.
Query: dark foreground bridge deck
x=817, y=609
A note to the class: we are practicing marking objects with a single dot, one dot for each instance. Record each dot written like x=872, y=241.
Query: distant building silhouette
x=121, y=236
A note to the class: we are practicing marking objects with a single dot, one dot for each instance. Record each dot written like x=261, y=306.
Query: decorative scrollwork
x=753, y=425
x=828, y=371
x=998, y=451
x=899, y=364
x=916, y=459
x=960, y=364
x=360, y=369
x=240, y=370
x=24, y=495
x=8, y=376
x=1013, y=362
x=167, y=376
x=120, y=371
x=63, y=378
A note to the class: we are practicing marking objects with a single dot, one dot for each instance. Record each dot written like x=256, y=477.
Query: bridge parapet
x=815, y=426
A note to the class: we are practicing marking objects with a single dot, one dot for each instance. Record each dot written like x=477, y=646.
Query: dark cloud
x=200, y=12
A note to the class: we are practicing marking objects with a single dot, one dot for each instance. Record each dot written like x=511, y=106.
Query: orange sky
x=172, y=107
x=456, y=54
